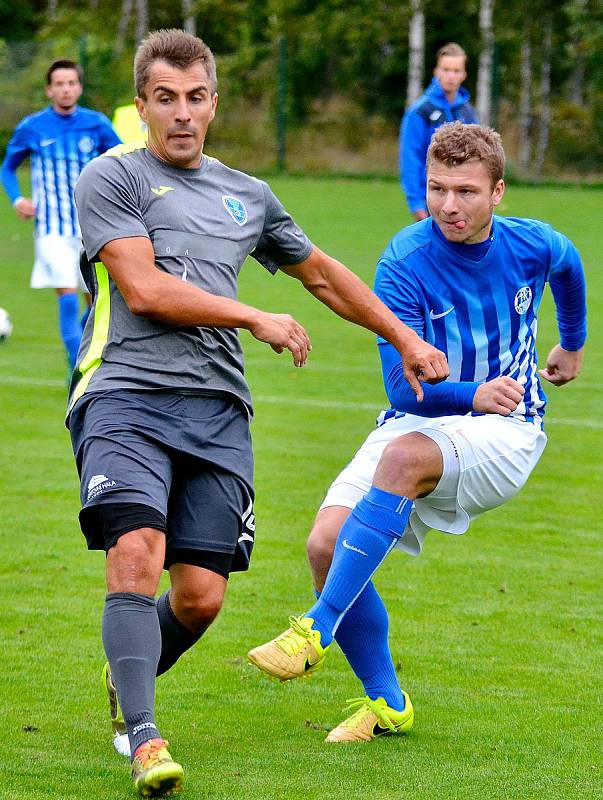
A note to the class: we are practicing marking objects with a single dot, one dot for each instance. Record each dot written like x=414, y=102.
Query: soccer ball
x=6, y=325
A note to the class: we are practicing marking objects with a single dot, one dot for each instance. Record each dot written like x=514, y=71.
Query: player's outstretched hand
x=282, y=332
x=499, y=396
x=423, y=362
x=562, y=366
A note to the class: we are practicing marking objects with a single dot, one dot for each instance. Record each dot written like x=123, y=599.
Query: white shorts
x=57, y=264
x=487, y=459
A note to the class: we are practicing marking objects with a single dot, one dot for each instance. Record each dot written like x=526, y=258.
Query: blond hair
x=451, y=49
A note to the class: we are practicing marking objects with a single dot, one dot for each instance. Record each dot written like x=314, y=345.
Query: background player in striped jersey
x=60, y=141
x=471, y=284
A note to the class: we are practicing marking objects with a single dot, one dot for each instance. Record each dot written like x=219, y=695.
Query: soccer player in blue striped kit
x=470, y=283
x=59, y=141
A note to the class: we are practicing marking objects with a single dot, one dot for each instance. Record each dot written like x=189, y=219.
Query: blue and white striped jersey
x=59, y=146
x=482, y=313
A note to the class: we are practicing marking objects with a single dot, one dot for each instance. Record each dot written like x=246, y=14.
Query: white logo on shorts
x=97, y=485
x=349, y=546
x=523, y=298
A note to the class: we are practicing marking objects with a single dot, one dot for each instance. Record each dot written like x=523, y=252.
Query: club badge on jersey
x=235, y=208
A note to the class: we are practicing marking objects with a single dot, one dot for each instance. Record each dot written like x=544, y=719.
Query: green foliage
x=340, y=55
x=577, y=140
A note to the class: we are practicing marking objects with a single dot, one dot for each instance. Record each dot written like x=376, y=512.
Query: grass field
x=497, y=633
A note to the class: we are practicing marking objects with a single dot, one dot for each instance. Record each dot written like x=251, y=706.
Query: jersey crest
x=523, y=298
x=235, y=208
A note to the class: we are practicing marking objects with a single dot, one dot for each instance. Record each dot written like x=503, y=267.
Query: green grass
x=497, y=633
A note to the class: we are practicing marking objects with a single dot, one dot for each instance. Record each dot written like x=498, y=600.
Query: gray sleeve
x=107, y=204
x=282, y=242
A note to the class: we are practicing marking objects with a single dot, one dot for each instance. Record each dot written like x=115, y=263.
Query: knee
x=410, y=465
x=134, y=563
x=319, y=547
x=197, y=610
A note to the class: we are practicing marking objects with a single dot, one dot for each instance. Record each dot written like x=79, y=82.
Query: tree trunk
x=416, y=52
x=122, y=27
x=52, y=8
x=142, y=19
x=544, y=120
x=486, y=58
x=578, y=75
x=190, y=23
x=525, y=96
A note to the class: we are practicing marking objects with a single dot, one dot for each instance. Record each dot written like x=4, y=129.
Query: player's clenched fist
x=282, y=332
x=499, y=396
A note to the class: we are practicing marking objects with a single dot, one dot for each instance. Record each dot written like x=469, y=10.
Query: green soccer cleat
x=372, y=718
x=154, y=771
x=294, y=654
x=121, y=741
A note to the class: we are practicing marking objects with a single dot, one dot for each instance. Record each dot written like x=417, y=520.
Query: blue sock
x=365, y=539
x=363, y=638
x=69, y=324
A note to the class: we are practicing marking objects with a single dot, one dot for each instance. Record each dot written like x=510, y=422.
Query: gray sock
x=176, y=639
x=132, y=641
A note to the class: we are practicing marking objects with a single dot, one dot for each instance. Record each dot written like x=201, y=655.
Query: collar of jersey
x=454, y=252
x=184, y=171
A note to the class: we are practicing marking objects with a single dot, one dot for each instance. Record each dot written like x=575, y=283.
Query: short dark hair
x=63, y=63
x=455, y=143
x=175, y=47
x=450, y=49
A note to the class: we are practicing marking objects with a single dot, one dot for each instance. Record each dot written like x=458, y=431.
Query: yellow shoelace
x=365, y=705
x=288, y=642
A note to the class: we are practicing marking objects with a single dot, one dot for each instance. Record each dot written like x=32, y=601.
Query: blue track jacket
x=419, y=122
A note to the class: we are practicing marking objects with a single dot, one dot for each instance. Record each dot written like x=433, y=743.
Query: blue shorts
x=180, y=463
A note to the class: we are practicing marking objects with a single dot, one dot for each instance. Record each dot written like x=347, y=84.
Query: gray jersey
x=202, y=223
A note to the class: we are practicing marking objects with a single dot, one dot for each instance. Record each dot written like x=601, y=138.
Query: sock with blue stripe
x=69, y=324
x=363, y=637
x=366, y=537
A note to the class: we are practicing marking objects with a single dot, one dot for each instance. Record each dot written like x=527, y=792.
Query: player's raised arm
x=344, y=293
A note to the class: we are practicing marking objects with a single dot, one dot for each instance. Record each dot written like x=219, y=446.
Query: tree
x=525, y=101
x=190, y=24
x=544, y=117
x=486, y=57
x=416, y=52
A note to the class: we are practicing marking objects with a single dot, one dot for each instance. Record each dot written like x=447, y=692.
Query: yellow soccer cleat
x=294, y=654
x=120, y=734
x=154, y=771
x=372, y=718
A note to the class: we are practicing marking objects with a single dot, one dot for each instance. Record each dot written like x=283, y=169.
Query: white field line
x=16, y=380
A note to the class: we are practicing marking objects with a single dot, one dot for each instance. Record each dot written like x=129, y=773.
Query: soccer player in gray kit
x=159, y=409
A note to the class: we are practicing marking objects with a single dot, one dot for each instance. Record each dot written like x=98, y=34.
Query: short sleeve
x=108, y=205
x=282, y=242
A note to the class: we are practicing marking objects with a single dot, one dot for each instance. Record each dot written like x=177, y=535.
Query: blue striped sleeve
x=17, y=151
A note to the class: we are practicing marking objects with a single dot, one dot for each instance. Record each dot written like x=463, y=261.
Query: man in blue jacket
x=445, y=100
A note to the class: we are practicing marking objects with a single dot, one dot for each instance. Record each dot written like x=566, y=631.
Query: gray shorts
x=180, y=463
